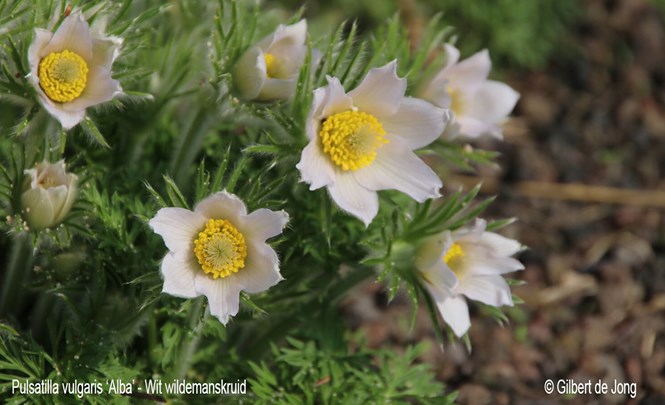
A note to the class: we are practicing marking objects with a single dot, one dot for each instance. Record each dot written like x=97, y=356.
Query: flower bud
x=48, y=194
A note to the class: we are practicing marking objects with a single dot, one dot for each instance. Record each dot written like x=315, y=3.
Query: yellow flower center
x=272, y=70
x=63, y=75
x=220, y=249
x=454, y=258
x=457, y=102
x=351, y=138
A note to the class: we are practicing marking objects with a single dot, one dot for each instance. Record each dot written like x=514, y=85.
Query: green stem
x=197, y=323
x=18, y=267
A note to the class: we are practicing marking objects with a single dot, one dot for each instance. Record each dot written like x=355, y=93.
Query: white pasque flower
x=217, y=250
x=467, y=262
x=269, y=70
x=478, y=105
x=48, y=194
x=71, y=69
x=362, y=142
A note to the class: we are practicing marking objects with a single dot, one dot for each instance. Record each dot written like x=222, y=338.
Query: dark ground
x=595, y=268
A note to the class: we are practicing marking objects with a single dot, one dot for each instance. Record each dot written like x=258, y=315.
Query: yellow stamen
x=457, y=102
x=351, y=138
x=454, y=258
x=272, y=69
x=62, y=76
x=220, y=249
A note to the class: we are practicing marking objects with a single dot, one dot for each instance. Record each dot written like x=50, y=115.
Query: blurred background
x=582, y=168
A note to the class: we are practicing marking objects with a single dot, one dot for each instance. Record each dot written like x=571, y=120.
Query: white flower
x=362, y=142
x=467, y=262
x=479, y=105
x=71, y=70
x=218, y=250
x=48, y=194
x=269, y=70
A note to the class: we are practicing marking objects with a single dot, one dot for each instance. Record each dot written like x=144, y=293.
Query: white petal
x=99, y=89
x=178, y=227
x=452, y=54
x=105, y=50
x=277, y=89
x=489, y=265
x=499, y=244
x=42, y=38
x=293, y=34
x=417, y=122
x=381, y=91
x=68, y=119
x=397, y=167
x=249, y=73
x=315, y=168
x=467, y=75
x=178, y=276
x=456, y=314
x=436, y=91
x=263, y=224
x=222, y=205
x=492, y=102
x=289, y=58
x=73, y=35
x=441, y=277
x=261, y=269
x=432, y=250
x=353, y=198
x=471, y=127
x=490, y=290
x=40, y=213
x=336, y=101
x=223, y=295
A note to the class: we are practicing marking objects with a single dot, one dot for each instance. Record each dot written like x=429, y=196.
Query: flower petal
x=289, y=57
x=68, y=119
x=249, y=73
x=223, y=295
x=487, y=265
x=471, y=127
x=73, y=35
x=178, y=276
x=315, y=168
x=499, y=244
x=105, y=50
x=488, y=289
x=261, y=270
x=492, y=102
x=432, y=250
x=222, y=205
x=441, y=277
x=292, y=34
x=416, y=121
x=178, y=227
x=452, y=54
x=41, y=212
x=264, y=223
x=353, y=198
x=467, y=75
x=337, y=100
x=42, y=38
x=397, y=167
x=381, y=91
x=456, y=314
x=277, y=89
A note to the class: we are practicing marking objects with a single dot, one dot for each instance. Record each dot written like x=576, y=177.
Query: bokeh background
x=582, y=168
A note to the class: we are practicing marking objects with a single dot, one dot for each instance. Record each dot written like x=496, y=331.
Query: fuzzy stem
x=18, y=267
x=189, y=348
